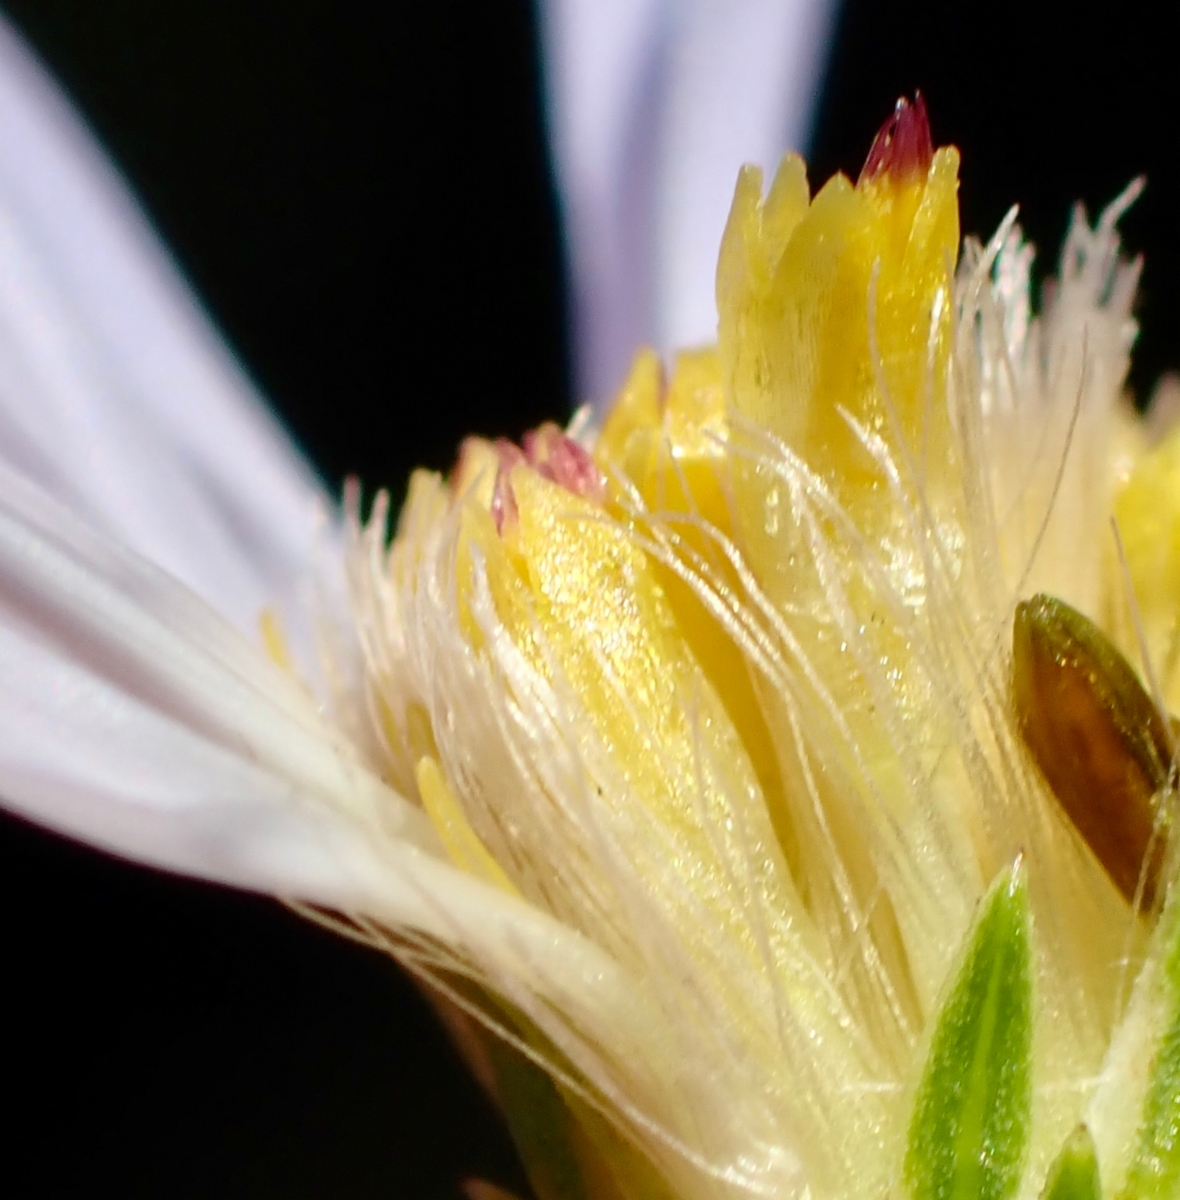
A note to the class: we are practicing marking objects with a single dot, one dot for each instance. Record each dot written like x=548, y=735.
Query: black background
x=360, y=194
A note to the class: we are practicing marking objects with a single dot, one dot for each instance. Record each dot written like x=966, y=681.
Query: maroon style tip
x=902, y=148
x=555, y=457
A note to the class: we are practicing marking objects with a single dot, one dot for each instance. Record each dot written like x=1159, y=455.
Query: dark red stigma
x=903, y=148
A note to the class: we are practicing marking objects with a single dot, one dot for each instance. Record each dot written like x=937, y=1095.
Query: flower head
x=727, y=687
x=761, y=776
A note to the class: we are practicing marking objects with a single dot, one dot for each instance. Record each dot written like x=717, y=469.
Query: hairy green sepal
x=969, y=1129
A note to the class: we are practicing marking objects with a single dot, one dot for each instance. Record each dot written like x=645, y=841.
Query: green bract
x=1155, y=1169
x=970, y=1124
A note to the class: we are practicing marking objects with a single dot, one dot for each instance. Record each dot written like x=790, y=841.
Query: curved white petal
x=654, y=105
x=116, y=393
x=131, y=715
x=81, y=756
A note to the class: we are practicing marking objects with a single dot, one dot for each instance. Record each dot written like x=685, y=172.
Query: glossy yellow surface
x=670, y=441
x=460, y=840
x=585, y=606
x=840, y=308
x=1148, y=514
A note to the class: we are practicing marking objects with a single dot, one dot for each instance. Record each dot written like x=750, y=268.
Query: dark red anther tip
x=903, y=148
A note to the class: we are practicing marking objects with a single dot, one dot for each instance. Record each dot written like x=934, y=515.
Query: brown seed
x=1097, y=737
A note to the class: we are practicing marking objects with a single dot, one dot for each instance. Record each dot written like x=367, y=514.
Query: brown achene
x=1097, y=737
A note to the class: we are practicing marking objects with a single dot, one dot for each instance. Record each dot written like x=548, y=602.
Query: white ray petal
x=85, y=758
x=116, y=393
x=98, y=641
x=653, y=107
